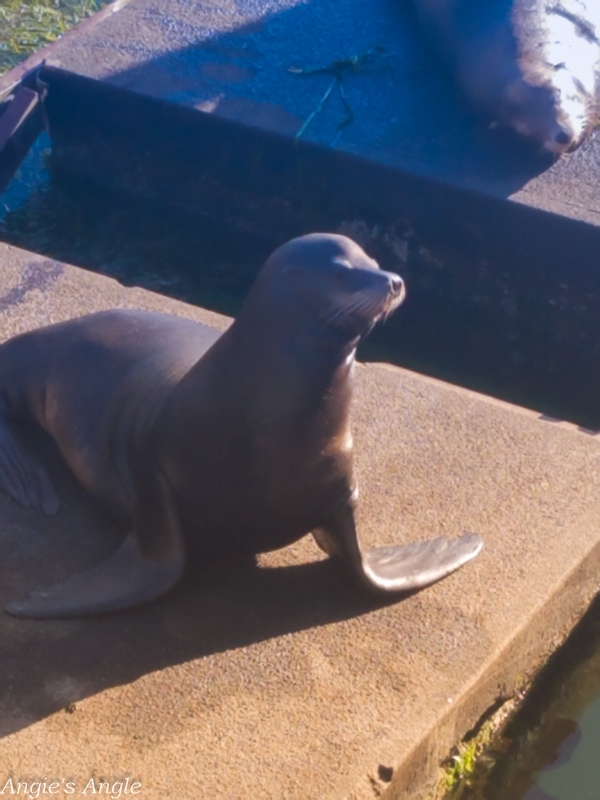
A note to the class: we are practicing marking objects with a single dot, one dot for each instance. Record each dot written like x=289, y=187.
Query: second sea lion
x=529, y=65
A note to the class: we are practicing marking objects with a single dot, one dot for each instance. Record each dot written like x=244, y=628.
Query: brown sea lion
x=210, y=443
x=529, y=65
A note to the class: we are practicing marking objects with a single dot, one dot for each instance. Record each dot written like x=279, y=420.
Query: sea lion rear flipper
x=21, y=477
x=149, y=563
x=125, y=579
x=399, y=568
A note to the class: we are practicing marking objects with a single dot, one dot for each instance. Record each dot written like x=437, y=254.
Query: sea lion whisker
x=336, y=314
x=362, y=302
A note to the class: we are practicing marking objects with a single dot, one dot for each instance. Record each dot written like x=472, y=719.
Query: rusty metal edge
x=13, y=77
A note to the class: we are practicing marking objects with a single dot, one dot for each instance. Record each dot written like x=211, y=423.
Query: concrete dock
x=283, y=681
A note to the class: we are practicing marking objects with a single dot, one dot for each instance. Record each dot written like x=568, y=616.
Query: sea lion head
x=554, y=101
x=327, y=284
x=557, y=116
x=576, y=110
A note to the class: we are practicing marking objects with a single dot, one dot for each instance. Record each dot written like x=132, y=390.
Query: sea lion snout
x=562, y=139
x=391, y=290
x=565, y=137
x=397, y=287
x=396, y=293
x=363, y=296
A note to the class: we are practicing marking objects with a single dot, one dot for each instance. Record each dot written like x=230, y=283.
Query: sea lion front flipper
x=144, y=567
x=398, y=568
x=21, y=477
x=403, y=568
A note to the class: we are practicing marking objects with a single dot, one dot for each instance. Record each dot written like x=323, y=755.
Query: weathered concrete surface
x=283, y=681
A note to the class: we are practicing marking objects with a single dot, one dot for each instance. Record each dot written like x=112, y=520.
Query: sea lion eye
x=341, y=262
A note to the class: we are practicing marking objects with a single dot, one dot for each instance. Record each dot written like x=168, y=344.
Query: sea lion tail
x=21, y=477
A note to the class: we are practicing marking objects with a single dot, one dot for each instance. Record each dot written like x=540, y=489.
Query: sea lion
x=211, y=443
x=529, y=65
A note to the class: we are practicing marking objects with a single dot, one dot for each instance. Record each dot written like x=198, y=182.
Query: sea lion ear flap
x=340, y=261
